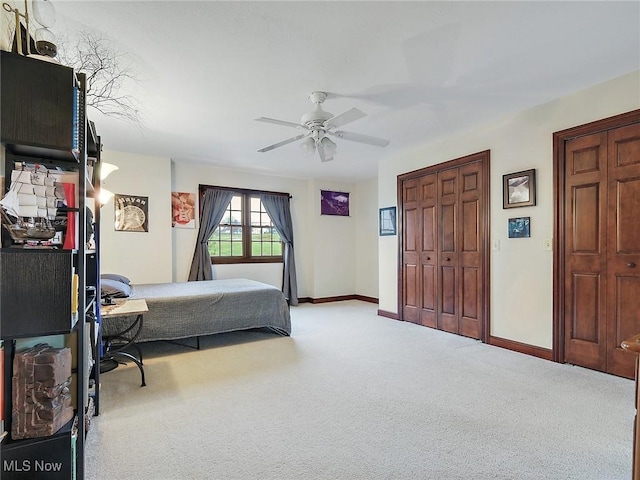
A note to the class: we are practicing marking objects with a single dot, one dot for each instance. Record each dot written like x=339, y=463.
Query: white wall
x=521, y=271
x=334, y=258
x=186, y=178
x=144, y=257
x=366, y=241
x=328, y=263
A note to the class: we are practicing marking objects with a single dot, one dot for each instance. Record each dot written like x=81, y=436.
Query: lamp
x=105, y=196
x=107, y=169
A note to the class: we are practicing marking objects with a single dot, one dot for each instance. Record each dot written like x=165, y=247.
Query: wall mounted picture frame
x=519, y=189
x=520, y=227
x=387, y=221
x=334, y=203
x=183, y=210
x=132, y=213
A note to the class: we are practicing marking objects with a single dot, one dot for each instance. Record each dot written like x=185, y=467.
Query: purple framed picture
x=334, y=203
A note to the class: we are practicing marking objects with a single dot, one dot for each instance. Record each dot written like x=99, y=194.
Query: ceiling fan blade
x=324, y=156
x=346, y=117
x=284, y=142
x=358, y=137
x=280, y=122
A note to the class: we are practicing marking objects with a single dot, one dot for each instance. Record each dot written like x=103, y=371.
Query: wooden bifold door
x=600, y=248
x=444, y=246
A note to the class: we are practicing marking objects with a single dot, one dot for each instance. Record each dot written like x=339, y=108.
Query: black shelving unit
x=43, y=121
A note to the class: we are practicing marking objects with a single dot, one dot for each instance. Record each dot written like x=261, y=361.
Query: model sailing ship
x=30, y=207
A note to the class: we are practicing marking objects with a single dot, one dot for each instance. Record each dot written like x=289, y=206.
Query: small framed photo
x=387, y=221
x=334, y=203
x=520, y=227
x=519, y=189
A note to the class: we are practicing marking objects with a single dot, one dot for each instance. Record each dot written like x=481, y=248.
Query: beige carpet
x=351, y=395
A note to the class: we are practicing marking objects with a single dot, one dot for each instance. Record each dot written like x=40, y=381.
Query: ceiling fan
x=318, y=125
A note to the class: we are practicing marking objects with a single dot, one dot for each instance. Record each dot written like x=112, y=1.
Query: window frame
x=246, y=195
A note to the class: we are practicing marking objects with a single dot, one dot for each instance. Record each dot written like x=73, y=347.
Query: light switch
x=495, y=246
x=547, y=244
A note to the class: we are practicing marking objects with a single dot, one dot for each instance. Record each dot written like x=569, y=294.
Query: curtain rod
x=202, y=187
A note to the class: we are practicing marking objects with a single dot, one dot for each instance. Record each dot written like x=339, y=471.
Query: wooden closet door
x=411, y=284
x=448, y=268
x=602, y=249
x=428, y=209
x=585, y=247
x=444, y=246
x=419, y=250
x=623, y=247
x=471, y=231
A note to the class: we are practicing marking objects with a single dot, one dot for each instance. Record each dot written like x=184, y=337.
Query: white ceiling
x=420, y=70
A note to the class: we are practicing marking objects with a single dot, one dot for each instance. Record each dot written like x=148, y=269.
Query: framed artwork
x=387, y=221
x=132, y=213
x=519, y=189
x=334, y=203
x=183, y=210
x=520, y=227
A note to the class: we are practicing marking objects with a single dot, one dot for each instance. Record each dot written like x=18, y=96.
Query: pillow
x=115, y=276
x=114, y=288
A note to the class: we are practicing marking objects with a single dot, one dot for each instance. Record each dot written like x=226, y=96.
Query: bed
x=193, y=309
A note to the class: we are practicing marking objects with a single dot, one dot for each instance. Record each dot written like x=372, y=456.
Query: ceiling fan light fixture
x=308, y=146
x=329, y=146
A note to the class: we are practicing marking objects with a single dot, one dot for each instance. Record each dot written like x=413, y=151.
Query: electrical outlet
x=547, y=244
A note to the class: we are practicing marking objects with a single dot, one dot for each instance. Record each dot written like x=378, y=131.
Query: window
x=245, y=233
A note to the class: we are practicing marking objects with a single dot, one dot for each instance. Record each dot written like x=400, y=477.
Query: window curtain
x=277, y=206
x=214, y=204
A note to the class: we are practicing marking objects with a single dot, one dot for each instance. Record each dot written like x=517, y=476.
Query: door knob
x=631, y=265
x=447, y=259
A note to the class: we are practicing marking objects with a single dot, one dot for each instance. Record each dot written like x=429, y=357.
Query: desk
x=116, y=344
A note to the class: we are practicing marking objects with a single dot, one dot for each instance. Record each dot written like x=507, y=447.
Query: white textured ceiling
x=420, y=70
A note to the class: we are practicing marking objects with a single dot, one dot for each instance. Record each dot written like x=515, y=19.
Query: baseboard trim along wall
x=540, y=352
x=386, y=314
x=533, y=350
x=337, y=299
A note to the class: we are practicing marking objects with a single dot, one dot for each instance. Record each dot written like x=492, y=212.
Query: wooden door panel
x=448, y=228
x=627, y=222
x=428, y=239
x=470, y=312
x=623, y=252
x=624, y=324
x=429, y=298
x=470, y=221
x=448, y=283
x=585, y=243
x=410, y=224
x=411, y=288
x=586, y=233
x=586, y=330
x=428, y=245
x=624, y=146
x=447, y=318
x=584, y=322
x=410, y=256
x=470, y=250
x=410, y=191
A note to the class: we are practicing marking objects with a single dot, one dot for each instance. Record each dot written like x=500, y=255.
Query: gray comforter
x=191, y=309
